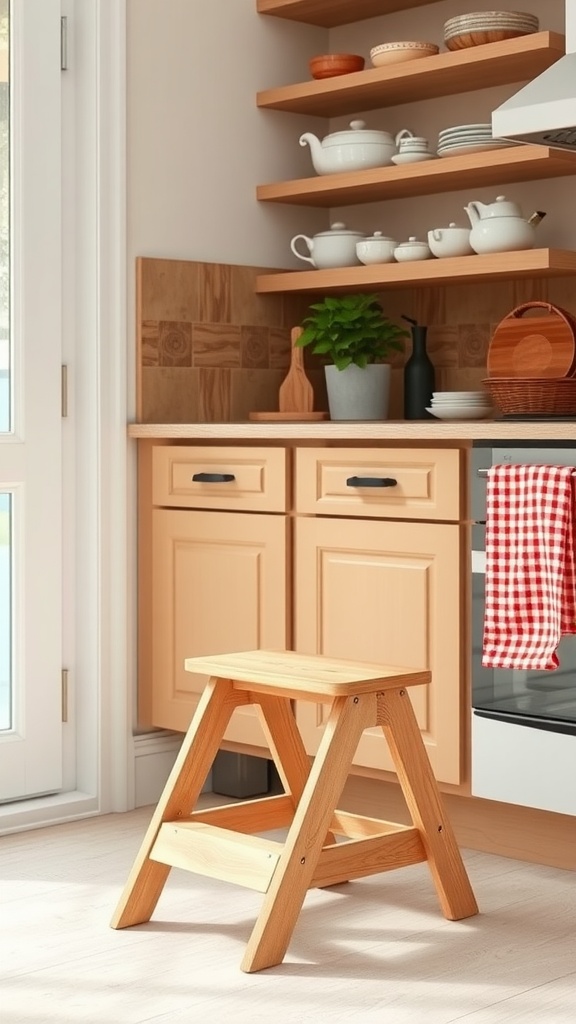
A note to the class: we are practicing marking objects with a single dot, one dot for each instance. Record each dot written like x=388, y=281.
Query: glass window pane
x=5, y=613
x=5, y=402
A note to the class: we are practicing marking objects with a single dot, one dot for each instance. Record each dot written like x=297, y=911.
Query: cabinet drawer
x=415, y=483
x=253, y=479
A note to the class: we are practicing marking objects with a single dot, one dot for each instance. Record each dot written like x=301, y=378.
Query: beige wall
x=198, y=146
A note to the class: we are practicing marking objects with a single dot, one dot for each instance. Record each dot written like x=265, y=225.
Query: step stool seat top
x=306, y=673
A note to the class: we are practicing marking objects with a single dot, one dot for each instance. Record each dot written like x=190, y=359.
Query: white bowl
x=376, y=249
x=461, y=414
x=413, y=249
x=450, y=241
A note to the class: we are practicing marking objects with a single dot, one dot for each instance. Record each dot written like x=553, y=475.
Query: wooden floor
x=376, y=950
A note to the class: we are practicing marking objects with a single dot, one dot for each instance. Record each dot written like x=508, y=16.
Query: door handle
x=371, y=481
x=213, y=478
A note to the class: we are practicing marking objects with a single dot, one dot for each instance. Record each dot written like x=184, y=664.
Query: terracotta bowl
x=328, y=65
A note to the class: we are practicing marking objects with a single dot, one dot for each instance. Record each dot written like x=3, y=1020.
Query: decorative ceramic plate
x=411, y=158
x=465, y=413
x=480, y=147
x=466, y=127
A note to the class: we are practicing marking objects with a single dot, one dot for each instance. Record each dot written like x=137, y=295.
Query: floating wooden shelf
x=330, y=13
x=478, y=67
x=446, y=174
x=529, y=263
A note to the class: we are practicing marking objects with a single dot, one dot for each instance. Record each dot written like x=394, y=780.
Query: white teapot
x=328, y=249
x=352, y=150
x=500, y=226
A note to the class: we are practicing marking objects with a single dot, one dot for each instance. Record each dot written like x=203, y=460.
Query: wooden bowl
x=328, y=65
x=495, y=35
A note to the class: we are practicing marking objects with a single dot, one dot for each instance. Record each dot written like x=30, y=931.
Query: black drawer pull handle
x=371, y=481
x=213, y=478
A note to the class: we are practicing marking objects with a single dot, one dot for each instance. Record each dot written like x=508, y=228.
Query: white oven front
x=523, y=723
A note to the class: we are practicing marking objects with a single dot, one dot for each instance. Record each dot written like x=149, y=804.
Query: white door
x=30, y=399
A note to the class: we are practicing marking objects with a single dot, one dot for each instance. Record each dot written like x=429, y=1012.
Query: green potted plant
x=356, y=335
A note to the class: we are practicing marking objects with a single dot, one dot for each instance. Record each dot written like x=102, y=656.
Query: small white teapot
x=500, y=226
x=328, y=249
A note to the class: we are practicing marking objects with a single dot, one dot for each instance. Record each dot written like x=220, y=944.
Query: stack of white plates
x=468, y=138
x=487, y=26
x=461, y=405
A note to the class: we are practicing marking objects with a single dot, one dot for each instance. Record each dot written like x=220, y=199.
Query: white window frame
x=97, y=461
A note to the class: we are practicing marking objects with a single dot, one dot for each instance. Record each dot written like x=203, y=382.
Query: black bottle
x=419, y=376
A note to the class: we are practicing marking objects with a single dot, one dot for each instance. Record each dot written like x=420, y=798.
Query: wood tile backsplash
x=209, y=349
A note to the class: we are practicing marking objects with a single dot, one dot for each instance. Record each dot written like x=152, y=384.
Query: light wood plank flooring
x=377, y=950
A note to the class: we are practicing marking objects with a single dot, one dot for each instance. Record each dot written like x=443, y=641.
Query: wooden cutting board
x=543, y=346
x=296, y=394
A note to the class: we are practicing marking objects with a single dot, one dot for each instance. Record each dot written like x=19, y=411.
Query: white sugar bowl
x=413, y=249
x=378, y=248
x=450, y=241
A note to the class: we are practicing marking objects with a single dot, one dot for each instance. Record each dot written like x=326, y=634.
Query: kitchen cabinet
x=533, y=835
x=383, y=591
x=219, y=578
x=448, y=73
x=374, y=575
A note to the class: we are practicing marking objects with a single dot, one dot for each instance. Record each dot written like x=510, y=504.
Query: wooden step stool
x=222, y=842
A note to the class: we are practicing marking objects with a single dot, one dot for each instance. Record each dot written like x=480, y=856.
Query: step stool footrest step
x=217, y=853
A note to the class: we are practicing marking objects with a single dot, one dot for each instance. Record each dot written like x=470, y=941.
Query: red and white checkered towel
x=530, y=565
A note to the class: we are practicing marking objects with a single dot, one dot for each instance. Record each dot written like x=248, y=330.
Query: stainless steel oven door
x=523, y=725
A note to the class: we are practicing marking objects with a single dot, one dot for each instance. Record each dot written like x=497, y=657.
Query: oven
x=523, y=723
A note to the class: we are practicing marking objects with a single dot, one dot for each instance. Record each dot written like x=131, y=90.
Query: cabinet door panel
x=219, y=585
x=388, y=592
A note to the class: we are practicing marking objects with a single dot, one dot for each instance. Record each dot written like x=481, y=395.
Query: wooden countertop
x=389, y=430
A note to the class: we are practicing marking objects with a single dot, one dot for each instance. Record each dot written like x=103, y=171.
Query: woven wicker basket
x=552, y=396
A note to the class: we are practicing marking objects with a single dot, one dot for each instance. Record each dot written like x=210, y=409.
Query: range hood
x=544, y=111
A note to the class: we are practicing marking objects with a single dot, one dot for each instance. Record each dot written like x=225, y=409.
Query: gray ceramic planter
x=358, y=394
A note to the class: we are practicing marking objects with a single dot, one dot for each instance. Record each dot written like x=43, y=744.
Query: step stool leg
x=199, y=748
x=285, y=743
x=283, y=901
x=396, y=716
x=286, y=746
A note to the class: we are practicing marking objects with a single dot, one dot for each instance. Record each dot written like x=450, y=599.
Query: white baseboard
x=154, y=756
